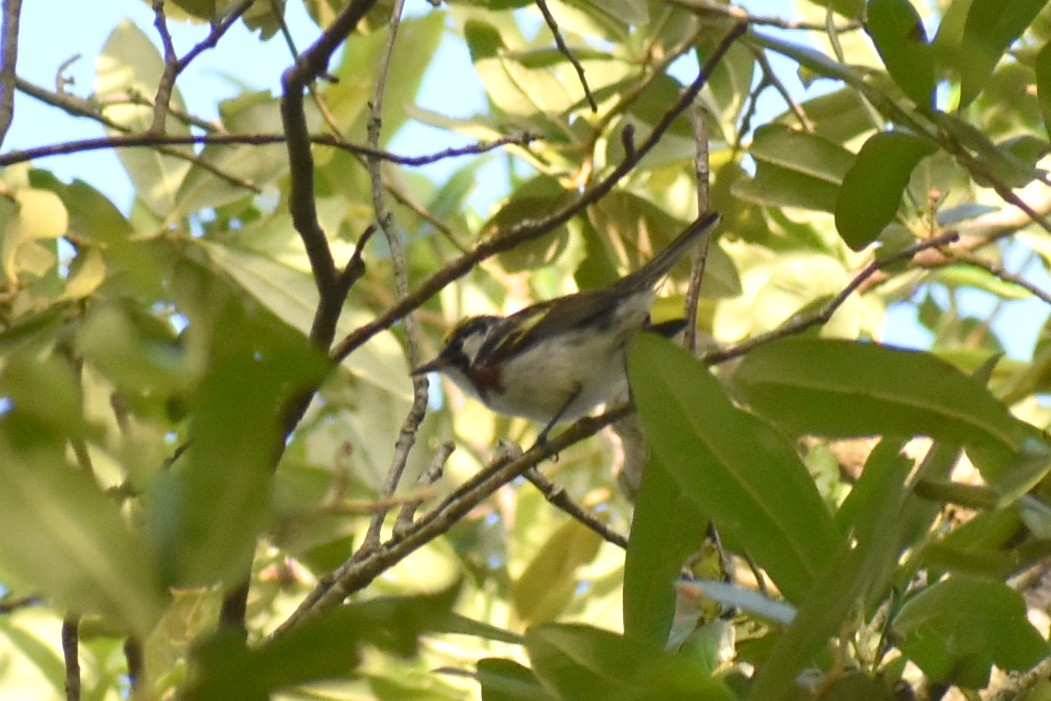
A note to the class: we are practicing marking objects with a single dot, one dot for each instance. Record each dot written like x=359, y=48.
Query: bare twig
x=71, y=655
x=561, y=44
x=218, y=30
x=133, y=655
x=407, y=434
x=154, y=140
x=358, y=573
x=431, y=475
x=702, y=173
x=739, y=14
x=166, y=85
x=8, y=59
x=533, y=228
x=9, y=604
x=822, y=315
x=999, y=271
x=557, y=496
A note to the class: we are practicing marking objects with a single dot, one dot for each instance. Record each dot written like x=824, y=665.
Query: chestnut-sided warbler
x=556, y=360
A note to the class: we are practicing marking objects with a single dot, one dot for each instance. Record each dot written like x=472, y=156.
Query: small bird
x=557, y=360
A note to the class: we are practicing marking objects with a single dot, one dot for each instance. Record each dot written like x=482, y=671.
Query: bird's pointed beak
x=434, y=366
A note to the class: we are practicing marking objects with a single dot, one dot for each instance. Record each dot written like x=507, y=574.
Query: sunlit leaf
x=130, y=63
x=547, y=585
x=841, y=388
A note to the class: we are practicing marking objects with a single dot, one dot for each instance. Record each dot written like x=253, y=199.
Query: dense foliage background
x=218, y=479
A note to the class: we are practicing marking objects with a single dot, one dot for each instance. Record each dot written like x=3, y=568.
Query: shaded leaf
x=59, y=534
x=897, y=30
x=1043, y=84
x=958, y=628
x=872, y=189
x=547, y=585
x=665, y=528
x=991, y=27
x=506, y=680
x=328, y=645
x=580, y=663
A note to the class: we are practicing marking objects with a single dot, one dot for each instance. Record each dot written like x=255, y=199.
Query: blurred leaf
x=266, y=17
x=769, y=505
x=957, y=629
x=871, y=191
x=129, y=63
x=995, y=162
x=897, y=30
x=506, y=680
x=841, y=388
x=256, y=164
x=59, y=534
x=208, y=510
x=665, y=528
x=547, y=585
x=326, y=646
x=39, y=215
x=539, y=194
x=990, y=28
x=580, y=663
x=794, y=169
x=1043, y=85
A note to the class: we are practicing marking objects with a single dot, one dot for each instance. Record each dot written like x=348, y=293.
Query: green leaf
x=665, y=528
x=129, y=62
x=255, y=164
x=60, y=535
x=854, y=573
x=547, y=585
x=580, y=663
x=872, y=188
x=897, y=30
x=794, y=169
x=844, y=388
x=958, y=628
x=506, y=680
x=1043, y=84
x=991, y=27
x=327, y=646
x=737, y=469
x=208, y=510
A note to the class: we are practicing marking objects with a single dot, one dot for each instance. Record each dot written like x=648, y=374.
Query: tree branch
x=356, y=574
x=549, y=19
x=822, y=315
x=71, y=656
x=8, y=60
x=533, y=228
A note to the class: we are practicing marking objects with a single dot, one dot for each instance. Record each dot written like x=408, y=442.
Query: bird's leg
x=542, y=438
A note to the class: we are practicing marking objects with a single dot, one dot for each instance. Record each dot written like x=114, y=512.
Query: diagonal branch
x=561, y=44
x=534, y=228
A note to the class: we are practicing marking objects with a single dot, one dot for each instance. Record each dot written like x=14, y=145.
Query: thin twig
x=561, y=44
x=154, y=140
x=822, y=315
x=166, y=84
x=432, y=474
x=354, y=575
x=133, y=655
x=702, y=174
x=8, y=59
x=1002, y=273
x=407, y=434
x=71, y=656
x=533, y=228
x=557, y=496
x=9, y=604
x=218, y=30
x=739, y=14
